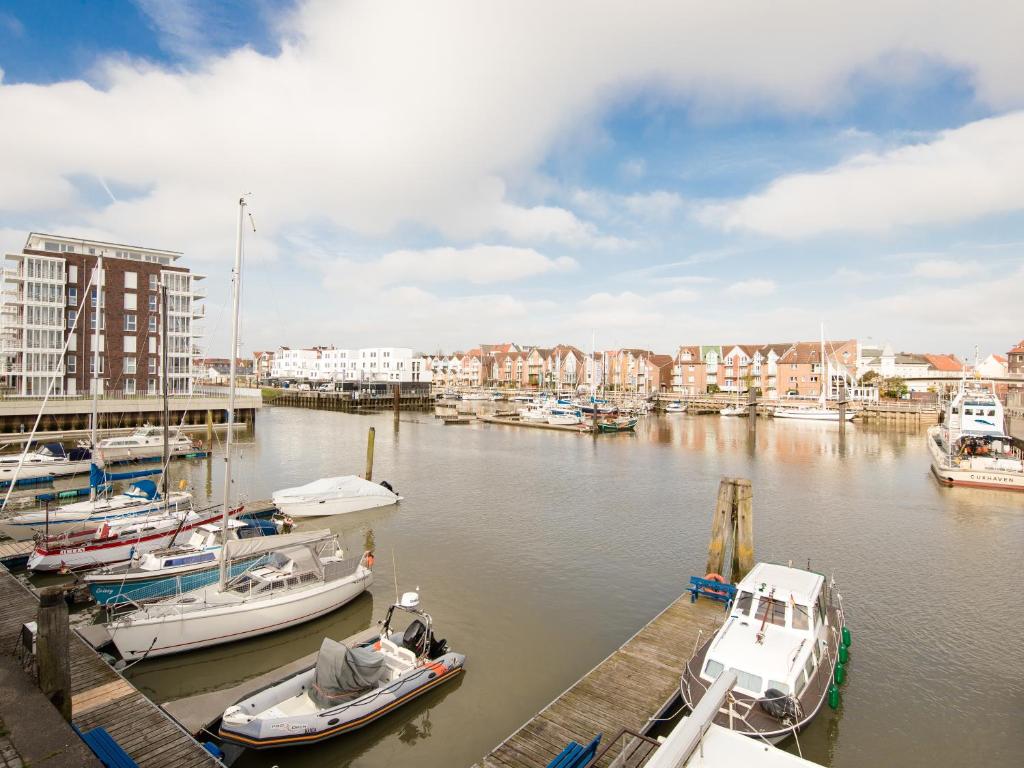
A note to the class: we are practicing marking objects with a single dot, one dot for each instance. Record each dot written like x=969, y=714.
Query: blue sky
x=444, y=174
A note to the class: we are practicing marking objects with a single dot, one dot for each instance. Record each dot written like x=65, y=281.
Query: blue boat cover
x=146, y=487
x=55, y=449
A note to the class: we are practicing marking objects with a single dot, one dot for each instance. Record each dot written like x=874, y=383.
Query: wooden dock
x=202, y=711
x=581, y=429
x=635, y=684
x=100, y=697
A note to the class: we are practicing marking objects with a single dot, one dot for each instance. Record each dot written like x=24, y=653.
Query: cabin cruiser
x=48, y=460
x=971, y=448
x=146, y=442
x=811, y=414
x=141, y=499
x=334, y=496
x=783, y=637
x=294, y=584
x=675, y=406
x=735, y=410
x=348, y=687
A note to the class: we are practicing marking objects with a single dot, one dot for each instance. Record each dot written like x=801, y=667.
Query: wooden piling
x=732, y=529
x=52, y=657
x=743, y=546
x=370, y=436
x=398, y=400
x=721, y=527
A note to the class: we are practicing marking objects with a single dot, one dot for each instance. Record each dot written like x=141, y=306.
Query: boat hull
x=952, y=474
x=133, y=452
x=49, y=469
x=811, y=415
x=330, y=507
x=272, y=733
x=27, y=526
x=150, y=637
x=113, y=589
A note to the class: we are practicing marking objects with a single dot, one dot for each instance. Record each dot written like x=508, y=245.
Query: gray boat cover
x=342, y=671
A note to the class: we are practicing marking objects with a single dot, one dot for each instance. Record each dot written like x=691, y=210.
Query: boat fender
x=847, y=638
x=780, y=706
x=844, y=654
x=716, y=577
x=840, y=674
x=833, y=696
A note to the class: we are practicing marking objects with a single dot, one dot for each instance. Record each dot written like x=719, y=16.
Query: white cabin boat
x=676, y=406
x=782, y=637
x=334, y=496
x=146, y=442
x=971, y=448
x=293, y=585
x=49, y=460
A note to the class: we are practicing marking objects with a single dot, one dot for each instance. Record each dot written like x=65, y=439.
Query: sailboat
x=292, y=585
x=822, y=412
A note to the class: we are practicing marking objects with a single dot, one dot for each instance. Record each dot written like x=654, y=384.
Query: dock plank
x=626, y=690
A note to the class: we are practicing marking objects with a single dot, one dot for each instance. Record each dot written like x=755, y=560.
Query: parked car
x=303, y=387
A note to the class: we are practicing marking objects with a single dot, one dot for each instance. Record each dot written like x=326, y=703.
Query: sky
x=437, y=175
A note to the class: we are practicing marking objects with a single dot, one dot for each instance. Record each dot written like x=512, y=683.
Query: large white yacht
x=146, y=442
x=783, y=638
x=971, y=447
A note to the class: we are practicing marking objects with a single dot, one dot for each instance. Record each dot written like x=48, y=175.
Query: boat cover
x=341, y=671
x=346, y=486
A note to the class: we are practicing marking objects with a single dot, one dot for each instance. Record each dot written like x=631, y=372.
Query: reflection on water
x=539, y=552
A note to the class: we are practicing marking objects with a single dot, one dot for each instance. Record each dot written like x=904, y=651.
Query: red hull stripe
x=125, y=542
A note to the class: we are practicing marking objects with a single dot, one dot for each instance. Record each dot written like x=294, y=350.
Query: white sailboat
x=822, y=412
x=293, y=585
x=49, y=460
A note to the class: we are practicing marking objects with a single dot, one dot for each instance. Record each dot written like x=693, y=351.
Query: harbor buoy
x=833, y=696
x=844, y=654
x=847, y=638
x=840, y=674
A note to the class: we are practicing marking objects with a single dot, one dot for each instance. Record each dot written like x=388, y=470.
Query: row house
x=637, y=370
x=444, y=369
x=802, y=371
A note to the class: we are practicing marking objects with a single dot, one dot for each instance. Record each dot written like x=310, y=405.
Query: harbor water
x=539, y=552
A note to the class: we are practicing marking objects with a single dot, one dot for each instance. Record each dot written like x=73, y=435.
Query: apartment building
x=1015, y=364
x=49, y=301
x=330, y=364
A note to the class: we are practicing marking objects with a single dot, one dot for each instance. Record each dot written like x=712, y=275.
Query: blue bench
x=715, y=590
x=576, y=755
x=105, y=748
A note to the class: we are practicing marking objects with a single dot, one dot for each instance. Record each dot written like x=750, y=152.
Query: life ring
x=369, y=559
x=715, y=577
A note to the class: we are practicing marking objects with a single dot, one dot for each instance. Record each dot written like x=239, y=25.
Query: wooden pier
x=100, y=697
x=581, y=429
x=634, y=685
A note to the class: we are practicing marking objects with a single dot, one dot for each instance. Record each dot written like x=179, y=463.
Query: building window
x=131, y=280
x=129, y=365
x=72, y=316
x=72, y=364
x=152, y=304
x=152, y=324
x=129, y=322
x=72, y=273
x=152, y=366
x=92, y=322
x=130, y=302
x=92, y=364
x=92, y=297
x=154, y=282
x=129, y=344
x=152, y=387
x=152, y=345
x=72, y=296
x=129, y=386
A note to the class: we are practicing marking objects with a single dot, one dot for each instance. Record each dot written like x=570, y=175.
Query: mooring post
x=752, y=406
x=721, y=527
x=370, y=436
x=842, y=406
x=398, y=400
x=52, y=657
x=743, y=531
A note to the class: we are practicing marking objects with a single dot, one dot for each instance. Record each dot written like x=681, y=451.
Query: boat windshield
x=775, y=610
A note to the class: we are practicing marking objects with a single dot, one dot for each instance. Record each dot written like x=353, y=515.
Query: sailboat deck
x=102, y=698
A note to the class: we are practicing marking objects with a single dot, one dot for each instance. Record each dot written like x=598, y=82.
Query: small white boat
x=811, y=414
x=49, y=460
x=566, y=419
x=334, y=496
x=348, y=687
x=140, y=500
x=146, y=442
x=733, y=410
x=675, y=407
x=115, y=542
x=476, y=396
x=784, y=636
x=293, y=585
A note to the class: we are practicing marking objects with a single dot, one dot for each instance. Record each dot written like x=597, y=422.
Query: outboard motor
x=780, y=706
x=415, y=637
x=386, y=484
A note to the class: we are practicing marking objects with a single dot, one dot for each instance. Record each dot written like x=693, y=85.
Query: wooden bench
x=714, y=590
x=575, y=755
x=106, y=749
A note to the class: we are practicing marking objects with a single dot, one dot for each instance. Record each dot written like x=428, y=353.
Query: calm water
x=540, y=552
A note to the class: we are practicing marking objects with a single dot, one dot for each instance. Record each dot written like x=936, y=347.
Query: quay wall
x=346, y=402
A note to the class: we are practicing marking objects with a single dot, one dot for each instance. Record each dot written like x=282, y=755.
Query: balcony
x=198, y=330
x=13, y=273
x=198, y=311
x=197, y=292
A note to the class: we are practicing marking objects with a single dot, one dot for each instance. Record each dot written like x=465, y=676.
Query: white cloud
x=965, y=173
x=941, y=269
x=478, y=264
x=752, y=287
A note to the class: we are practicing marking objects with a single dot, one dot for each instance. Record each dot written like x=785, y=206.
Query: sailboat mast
x=167, y=411
x=98, y=315
x=823, y=376
x=236, y=279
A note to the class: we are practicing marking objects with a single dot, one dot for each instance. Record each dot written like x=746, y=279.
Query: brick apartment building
x=46, y=295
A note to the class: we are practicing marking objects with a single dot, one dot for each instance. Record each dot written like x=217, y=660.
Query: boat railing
x=634, y=750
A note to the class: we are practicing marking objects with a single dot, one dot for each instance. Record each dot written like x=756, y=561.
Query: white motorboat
x=348, y=687
x=334, y=496
x=49, y=460
x=475, y=396
x=784, y=637
x=140, y=500
x=293, y=585
x=564, y=418
x=675, y=406
x=811, y=414
x=733, y=410
x=146, y=442
x=115, y=542
x=971, y=447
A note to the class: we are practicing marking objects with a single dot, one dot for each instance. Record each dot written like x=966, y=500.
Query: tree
x=713, y=389
x=869, y=377
x=894, y=387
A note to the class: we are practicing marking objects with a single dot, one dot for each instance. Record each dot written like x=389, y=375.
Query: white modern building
x=330, y=364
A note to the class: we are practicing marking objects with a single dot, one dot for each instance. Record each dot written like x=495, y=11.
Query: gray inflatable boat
x=348, y=687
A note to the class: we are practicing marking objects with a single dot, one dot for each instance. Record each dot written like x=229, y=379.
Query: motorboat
x=347, y=687
x=675, y=406
x=195, y=563
x=140, y=500
x=146, y=442
x=115, y=542
x=48, y=460
x=475, y=396
x=564, y=417
x=783, y=637
x=295, y=583
x=334, y=496
x=970, y=447
x=617, y=425
x=811, y=414
x=736, y=410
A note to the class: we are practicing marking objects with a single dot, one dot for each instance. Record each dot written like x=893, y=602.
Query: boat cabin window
x=821, y=606
x=809, y=666
x=801, y=616
x=749, y=682
x=743, y=603
x=778, y=686
x=775, y=610
x=801, y=683
x=713, y=669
